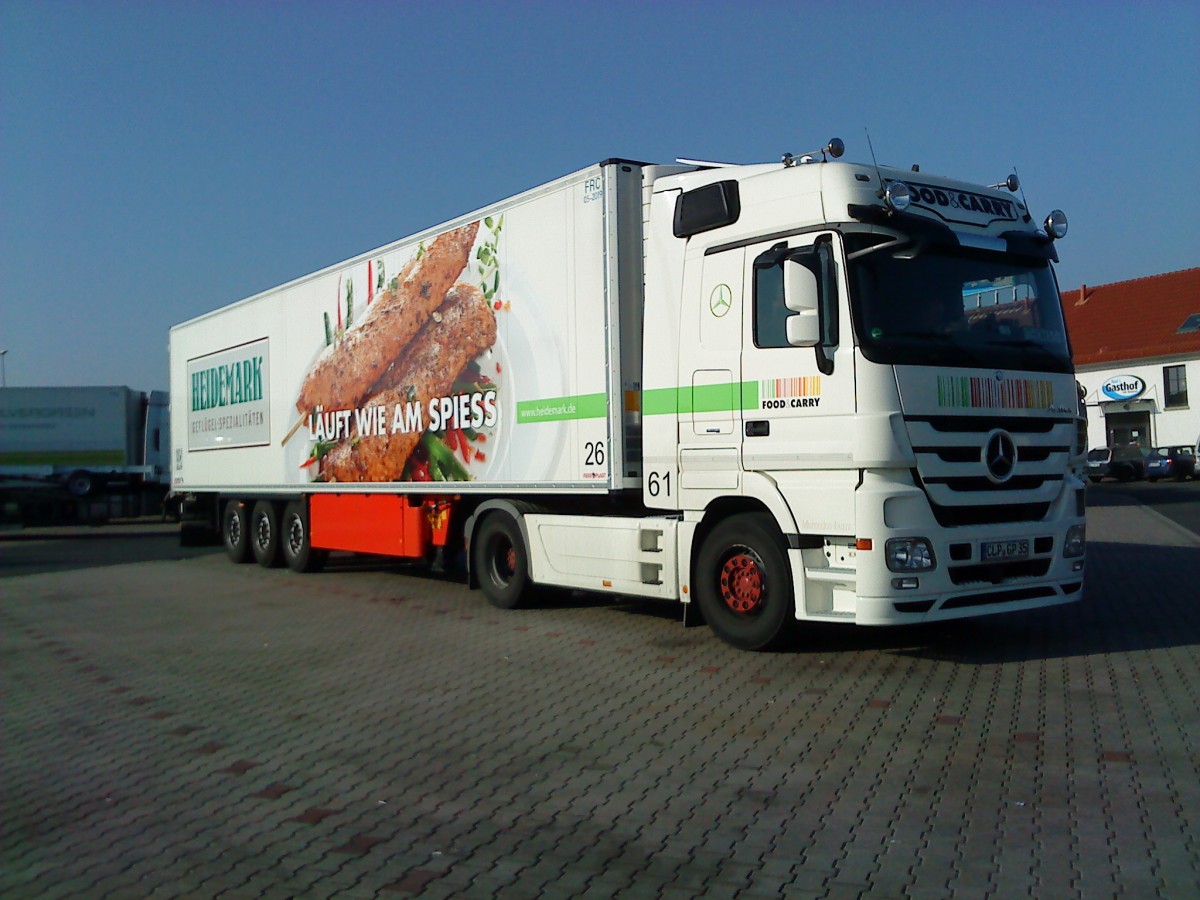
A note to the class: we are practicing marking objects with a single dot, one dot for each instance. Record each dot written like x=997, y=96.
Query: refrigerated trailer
x=811, y=390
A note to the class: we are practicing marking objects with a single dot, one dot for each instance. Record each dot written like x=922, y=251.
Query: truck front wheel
x=296, y=542
x=501, y=562
x=743, y=583
x=264, y=534
x=235, y=531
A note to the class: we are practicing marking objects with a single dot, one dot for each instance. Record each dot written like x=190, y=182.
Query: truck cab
x=871, y=373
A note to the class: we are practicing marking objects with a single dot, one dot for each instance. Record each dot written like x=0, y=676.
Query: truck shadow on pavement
x=33, y=554
x=1136, y=597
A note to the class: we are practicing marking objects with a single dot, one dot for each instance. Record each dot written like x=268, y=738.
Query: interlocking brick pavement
x=194, y=728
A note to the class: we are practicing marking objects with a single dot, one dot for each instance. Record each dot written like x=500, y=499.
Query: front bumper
x=858, y=585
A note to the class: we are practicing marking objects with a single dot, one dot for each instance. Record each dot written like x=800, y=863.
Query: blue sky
x=162, y=159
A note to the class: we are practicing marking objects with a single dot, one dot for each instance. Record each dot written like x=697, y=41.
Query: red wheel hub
x=742, y=583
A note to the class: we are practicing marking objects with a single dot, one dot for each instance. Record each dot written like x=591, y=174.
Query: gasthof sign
x=1123, y=387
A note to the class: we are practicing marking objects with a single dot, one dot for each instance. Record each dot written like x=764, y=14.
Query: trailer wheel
x=235, y=531
x=81, y=484
x=501, y=562
x=296, y=542
x=264, y=534
x=743, y=583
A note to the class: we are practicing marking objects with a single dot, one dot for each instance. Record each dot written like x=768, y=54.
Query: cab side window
x=770, y=315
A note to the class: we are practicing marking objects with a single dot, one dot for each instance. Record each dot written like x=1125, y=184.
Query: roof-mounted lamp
x=1056, y=225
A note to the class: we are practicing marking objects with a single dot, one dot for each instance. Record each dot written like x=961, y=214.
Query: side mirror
x=802, y=296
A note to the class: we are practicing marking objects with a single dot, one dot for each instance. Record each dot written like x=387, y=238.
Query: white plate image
x=534, y=372
x=511, y=453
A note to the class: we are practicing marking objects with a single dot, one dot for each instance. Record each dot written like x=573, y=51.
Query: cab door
x=798, y=401
x=710, y=376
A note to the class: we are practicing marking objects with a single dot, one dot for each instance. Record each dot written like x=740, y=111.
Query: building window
x=1175, y=380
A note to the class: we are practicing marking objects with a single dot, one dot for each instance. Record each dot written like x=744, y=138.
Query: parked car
x=1124, y=462
x=1171, y=462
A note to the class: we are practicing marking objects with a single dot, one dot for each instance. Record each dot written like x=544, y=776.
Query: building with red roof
x=1137, y=351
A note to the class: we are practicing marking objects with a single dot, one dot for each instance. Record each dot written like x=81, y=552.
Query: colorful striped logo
x=778, y=388
x=973, y=392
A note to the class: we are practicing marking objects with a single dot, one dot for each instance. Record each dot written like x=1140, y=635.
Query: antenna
x=1023, y=200
x=871, y=147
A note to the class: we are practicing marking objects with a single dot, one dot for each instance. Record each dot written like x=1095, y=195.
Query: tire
x=264, y=534
x=295, y=541
x=235, y=531
x=81, y=484
x=501, y=562
x=743, y=583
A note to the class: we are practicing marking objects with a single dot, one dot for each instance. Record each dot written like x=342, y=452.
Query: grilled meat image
x=344, y=375
x=461, y=329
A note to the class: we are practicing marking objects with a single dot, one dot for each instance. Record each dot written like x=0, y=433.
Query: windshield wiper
x=1027, y=344
x=943, y=340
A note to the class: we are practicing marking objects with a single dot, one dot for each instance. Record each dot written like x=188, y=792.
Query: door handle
x=758, y=428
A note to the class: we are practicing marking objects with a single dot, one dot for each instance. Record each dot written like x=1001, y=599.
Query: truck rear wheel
x=743, y=583
x=235, y=531
x=264, y=534
x=501, y=562
x=296, y=542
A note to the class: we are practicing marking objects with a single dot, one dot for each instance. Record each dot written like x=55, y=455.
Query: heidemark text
x=227, y=385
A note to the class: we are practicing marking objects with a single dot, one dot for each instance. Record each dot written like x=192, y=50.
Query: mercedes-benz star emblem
x=1000, y=456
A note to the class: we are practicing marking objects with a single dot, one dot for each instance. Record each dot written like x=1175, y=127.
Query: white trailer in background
x=808, y=390
x=79, y=443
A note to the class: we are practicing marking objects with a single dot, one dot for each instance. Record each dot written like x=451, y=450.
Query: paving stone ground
x=192, y=728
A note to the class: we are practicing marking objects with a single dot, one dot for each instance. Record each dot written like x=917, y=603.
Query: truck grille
x=996, y=573
x=952, y=472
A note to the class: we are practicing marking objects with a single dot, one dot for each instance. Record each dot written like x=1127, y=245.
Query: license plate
x=992, y=550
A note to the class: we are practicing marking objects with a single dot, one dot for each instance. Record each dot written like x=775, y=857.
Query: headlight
x=909, y=554
x=1076, y=541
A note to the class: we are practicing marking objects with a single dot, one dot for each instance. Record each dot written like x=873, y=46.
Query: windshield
x=941, y=306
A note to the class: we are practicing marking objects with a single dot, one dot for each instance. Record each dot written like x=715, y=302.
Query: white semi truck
x=811, y=390
x=71, y=451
